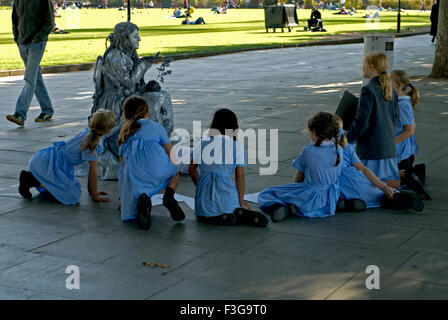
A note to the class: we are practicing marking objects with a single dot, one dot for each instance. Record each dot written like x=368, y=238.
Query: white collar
x=326, y=143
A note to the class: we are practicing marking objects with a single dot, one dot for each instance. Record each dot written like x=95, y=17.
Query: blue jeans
x=31, y=54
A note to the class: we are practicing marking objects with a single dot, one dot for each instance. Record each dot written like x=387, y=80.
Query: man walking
x=32, y=21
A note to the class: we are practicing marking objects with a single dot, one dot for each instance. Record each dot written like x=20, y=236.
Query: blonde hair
x=401, y=78
x=380, y=63
x=134, y=108
x=101, y=122
x=326, y=126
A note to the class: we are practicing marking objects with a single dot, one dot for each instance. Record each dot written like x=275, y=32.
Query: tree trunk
x=440, y=65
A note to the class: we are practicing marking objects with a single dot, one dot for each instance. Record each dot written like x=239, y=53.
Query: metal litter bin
x=381, y=43
x=284, y=16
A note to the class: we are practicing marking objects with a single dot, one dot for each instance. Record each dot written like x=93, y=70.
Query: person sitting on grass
x=315, y=19
x=177, y=13
x=199, y=20
x=220, y=10
x=189, y=11
x=343, y=11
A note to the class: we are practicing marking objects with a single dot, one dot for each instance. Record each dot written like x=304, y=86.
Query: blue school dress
x=354, y=184
x=318, y=194
x=384, y=169
x=217, y=158
x=145, y=166
x=54, y=167
x=407, y=147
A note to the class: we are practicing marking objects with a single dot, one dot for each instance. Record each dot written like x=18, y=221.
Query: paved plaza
x=294, y=259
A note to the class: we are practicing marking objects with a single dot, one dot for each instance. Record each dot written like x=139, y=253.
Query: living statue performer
x=118, y=74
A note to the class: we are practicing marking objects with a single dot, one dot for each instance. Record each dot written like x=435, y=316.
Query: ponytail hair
x=328, y=126
x=134, y=108
x=402, y=80
x=414, y=94
x=101, y=122
x=380, y=63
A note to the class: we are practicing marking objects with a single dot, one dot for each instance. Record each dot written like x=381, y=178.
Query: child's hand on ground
x=388, y=191
x=244, y=205
x=97, y=197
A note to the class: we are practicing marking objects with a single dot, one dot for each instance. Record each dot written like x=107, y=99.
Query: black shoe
x=403, y=200
x=227, y=219
x=171, y=204
x=251, y=218
x=43, y=117
x=27, y=181
x=420, y=171
x=15, y=118
x=279, y=212
x=411, y=200
x=144, y=206
x=414, y=183
x=350, y=205
x=356, y=205
x=341, y=205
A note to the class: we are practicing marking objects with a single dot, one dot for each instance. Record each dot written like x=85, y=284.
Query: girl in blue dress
x=52, y=168
x=218, y=157
x=405, y=145
x=408, y=97
x=146, y=167
x=361, y=189
x=373, y=127
x=315, y=190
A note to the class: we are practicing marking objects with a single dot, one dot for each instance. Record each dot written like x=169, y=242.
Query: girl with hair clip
x=406, y=146
x=218, y=199
x=315, y=190
x=52, y=168
x=146, y=167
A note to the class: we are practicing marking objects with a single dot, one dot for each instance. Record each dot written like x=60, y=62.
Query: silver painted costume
x=116, y=77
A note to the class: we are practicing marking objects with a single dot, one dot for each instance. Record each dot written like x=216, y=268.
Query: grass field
x=241, y=28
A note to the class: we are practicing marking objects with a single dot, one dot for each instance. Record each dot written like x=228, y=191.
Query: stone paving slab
x=274, y=278
x=432, y=268
x=390, y=288
x=294, y=259
x=337, y=255
x=10, y=293
x=47, y=275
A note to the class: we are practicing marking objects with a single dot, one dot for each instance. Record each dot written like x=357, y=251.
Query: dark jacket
x=373, y=127
x=316, y=15
x=434, y=19
x=32, y=20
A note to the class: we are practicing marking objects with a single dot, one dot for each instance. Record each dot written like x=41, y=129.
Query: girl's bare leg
x=174, y=182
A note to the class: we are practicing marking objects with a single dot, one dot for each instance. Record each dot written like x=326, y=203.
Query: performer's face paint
x=135, y=39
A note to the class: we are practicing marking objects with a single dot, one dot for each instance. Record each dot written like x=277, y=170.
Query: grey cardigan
x=373, y=127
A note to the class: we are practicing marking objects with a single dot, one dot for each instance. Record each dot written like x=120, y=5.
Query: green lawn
x=238, y=29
